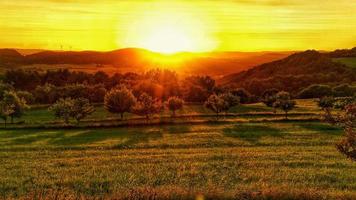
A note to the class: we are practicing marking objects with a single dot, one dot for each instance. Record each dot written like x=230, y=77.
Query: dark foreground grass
x=231, y=161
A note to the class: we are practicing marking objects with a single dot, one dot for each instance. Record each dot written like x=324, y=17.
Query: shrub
x=316, y=91
x=119, y=100
x=174, y=104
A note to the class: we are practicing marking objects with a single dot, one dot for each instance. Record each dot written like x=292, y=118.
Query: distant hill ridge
x=293, y=72
x=211, y=63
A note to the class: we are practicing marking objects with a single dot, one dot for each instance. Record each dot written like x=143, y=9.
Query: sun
x=166, y=29
x=169, y=39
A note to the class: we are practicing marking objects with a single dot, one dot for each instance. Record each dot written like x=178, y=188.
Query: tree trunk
x=173, y=113
x=286, y=114
x=5, y=122
x=122, y=116
x=12, y=119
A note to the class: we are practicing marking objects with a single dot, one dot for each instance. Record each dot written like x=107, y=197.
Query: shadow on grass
x=322, y=128
x=252, y=133
x=68, y=138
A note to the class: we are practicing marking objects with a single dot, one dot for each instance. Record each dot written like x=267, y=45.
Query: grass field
x=264, y=160
x=349, y=61
x=226, y=160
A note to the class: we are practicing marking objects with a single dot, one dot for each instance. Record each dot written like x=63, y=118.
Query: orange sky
x=185, y=25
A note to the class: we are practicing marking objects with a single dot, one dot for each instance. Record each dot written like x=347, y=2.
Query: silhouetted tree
x=216, y=104
x=5, y=111
x=284, y=102
x=19, y=104
x=119, y=100
x=269, y=97
x=243, y=95
x=174, y=104
x=81, y=108
x=326, y=104
x=230, y=101
x=147, y=106
x=63, y=109
x=347, y=119
x=316, y=91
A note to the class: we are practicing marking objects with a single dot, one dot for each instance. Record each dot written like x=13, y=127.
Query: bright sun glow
x=168, y=39
x=166, y=29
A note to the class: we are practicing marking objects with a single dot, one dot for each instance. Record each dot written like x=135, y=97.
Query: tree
x=4, y=87
x=174, y=104
x=344, y=90
x=5, y=111
x=19, y=104
x=347, y=119
x=216, y=104
x=119, y=100
x=269, y=97
x=81, y=108
x=27, y=96
x=243, y=95
x=284, y=102
x=147, y=106
x=326, y=104
x=63, y=109
x=230, y=101
x=316, y=91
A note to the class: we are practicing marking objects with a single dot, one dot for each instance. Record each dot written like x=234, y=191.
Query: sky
x=178, y=25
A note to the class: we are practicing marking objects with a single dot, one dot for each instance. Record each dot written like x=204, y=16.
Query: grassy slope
x=270, y=159
x=349, y=61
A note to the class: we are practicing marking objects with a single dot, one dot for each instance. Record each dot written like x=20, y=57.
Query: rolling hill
x=292, y=73
x=138, y=60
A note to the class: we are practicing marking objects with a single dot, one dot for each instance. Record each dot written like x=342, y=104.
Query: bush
x=316, y=91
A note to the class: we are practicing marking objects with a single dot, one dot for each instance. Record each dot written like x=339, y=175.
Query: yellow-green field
x=263, y=160
x=226, y=160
